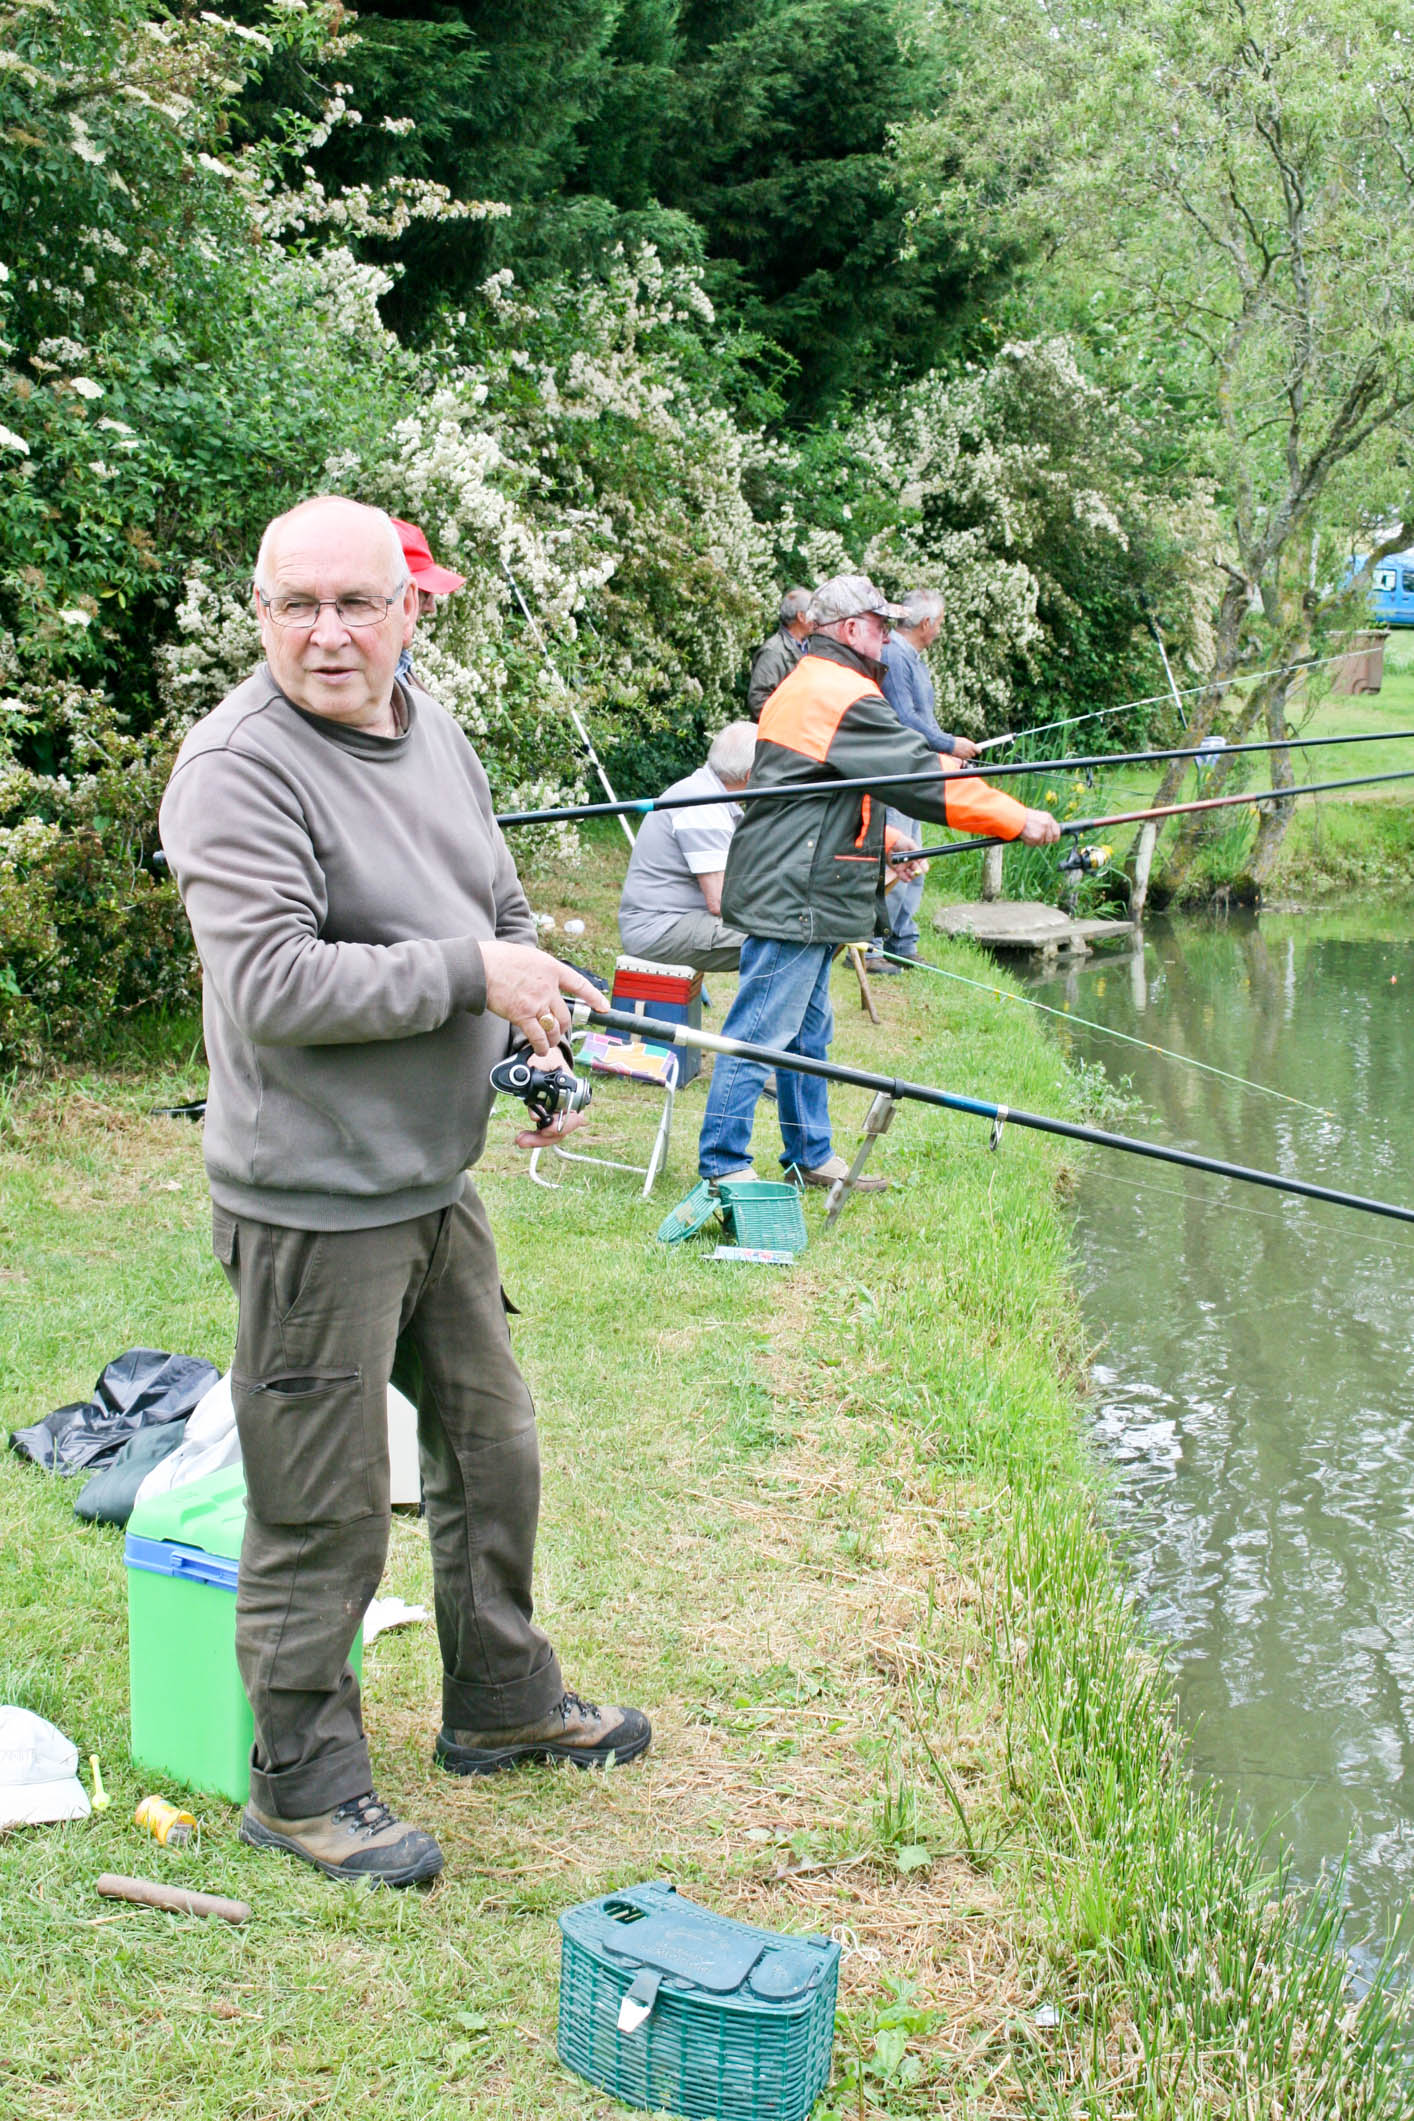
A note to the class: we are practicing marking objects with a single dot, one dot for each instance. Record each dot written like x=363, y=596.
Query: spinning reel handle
x=545, y=1091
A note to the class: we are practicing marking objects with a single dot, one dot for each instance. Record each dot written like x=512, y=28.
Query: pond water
x=1253, y=1382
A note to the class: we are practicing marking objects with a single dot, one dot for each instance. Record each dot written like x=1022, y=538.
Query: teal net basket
x=762, y=1214
x=670, y=2007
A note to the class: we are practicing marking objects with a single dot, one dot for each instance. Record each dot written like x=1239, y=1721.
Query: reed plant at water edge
x=1193, y=1978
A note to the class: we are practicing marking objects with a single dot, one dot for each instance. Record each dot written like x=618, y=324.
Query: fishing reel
x=546, y=1091
x=1086, y=861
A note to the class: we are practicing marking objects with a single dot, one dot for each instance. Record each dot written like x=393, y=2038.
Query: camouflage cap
x=849, y=596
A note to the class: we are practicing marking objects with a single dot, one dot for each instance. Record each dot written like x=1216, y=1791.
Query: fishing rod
x=1141, y=817
x=585, y=739
x=644, y=804
x=670, y=1034
x=1153, y=625
x=641, y=806
x=1161, y=699
x=1207, y=751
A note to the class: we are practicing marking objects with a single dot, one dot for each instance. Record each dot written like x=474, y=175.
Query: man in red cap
x=428, y=579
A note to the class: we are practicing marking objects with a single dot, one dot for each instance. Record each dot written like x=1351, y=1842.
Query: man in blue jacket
x=908, y=688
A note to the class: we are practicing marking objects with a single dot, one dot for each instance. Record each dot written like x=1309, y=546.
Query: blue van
x=1392, y=590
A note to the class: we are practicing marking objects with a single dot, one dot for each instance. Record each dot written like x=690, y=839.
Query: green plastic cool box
x=189, y=1719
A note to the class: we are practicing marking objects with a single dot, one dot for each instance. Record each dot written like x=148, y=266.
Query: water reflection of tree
x=1278, y=1332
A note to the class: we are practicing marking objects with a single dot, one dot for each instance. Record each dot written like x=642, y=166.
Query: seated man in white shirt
x=671, y=906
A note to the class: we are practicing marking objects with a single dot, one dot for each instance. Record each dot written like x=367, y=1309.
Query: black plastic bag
x=136, y=1390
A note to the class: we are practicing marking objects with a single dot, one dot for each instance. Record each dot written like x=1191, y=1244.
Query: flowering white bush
x=218, y=643
x=1012, y=489
x=190, y=345
x=567, y=462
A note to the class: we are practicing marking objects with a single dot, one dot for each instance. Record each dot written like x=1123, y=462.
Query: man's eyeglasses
x=352, y=611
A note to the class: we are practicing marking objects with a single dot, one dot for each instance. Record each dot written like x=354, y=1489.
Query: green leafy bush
x=87, y=930
x=166, y=384
x=192, y=337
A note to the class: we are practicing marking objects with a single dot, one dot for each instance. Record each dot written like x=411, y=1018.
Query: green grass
x=833, y=1525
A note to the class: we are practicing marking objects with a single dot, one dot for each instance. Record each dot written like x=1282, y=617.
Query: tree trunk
x=1276, y=817
x=1190, y=829
x=1227, y=653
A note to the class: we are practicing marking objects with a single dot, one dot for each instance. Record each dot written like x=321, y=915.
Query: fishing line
x=1159, y=699
x=1262, y=1215
x=1005, y=994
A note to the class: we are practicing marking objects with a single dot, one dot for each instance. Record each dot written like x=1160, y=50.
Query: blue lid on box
x=161, y=1558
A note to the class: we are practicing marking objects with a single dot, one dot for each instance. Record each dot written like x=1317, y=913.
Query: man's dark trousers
x=327, y=1319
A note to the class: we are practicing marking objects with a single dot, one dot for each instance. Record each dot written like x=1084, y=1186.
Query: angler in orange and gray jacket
x=812, y=870
x=809, y=873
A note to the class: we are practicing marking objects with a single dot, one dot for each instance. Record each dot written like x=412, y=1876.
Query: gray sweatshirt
x=339, y=885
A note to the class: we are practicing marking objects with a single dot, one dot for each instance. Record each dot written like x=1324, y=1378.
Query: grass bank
x=1337, y=846
x=835, y=1526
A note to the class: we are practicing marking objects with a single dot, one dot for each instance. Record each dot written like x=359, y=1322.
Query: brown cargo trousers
x=327, y=1319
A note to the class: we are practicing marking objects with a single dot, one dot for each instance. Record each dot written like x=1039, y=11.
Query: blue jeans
x=783, y=1001
x=905, y=899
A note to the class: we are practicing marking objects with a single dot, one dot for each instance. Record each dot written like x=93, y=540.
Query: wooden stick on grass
x=175, y=1899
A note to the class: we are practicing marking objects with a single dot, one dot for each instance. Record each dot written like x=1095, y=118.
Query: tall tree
x=753, y=135
x=1218, y=193
x=553, y=107
x=780, y=146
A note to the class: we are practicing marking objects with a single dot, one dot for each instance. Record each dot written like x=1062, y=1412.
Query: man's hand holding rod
x=525, y=986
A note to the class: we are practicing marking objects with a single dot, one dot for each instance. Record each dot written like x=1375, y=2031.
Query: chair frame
x=658, y=1155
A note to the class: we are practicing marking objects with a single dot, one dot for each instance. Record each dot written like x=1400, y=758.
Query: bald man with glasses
x=367, y=952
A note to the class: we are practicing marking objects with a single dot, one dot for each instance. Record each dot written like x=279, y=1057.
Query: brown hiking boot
x=573, y=1730
x=359, y=1840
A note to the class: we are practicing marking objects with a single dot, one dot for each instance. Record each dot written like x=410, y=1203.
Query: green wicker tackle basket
x=763, y=1212
x=758, y=1212
x=668, y=2006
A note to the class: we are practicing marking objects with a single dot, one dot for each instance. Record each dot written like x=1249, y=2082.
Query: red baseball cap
x=439, y=581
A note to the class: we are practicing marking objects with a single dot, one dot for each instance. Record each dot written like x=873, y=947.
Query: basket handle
x=636, y=2004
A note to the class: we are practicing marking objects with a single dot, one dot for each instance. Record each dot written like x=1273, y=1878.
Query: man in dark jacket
x=806, y=875
x=778, y=656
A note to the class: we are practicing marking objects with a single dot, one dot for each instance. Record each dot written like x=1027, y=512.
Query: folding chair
x=631, y=1062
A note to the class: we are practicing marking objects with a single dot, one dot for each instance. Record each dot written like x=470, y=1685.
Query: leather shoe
x=573, y=1729
x=836, y=1169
